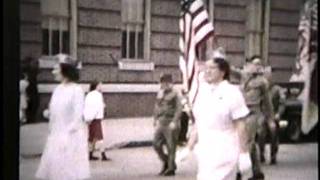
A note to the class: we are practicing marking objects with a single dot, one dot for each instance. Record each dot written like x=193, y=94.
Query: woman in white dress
x=218, y=137
x=65, y=156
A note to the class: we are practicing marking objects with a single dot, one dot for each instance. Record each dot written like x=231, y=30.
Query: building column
x=254, y=26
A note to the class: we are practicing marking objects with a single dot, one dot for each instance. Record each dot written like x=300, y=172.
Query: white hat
x=257, y=61
x=219, y=53
x=66, y=59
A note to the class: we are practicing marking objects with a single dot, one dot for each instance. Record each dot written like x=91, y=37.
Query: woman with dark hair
x=65, y=153
x=30, y=67
x=218, y=136
x=93, y=113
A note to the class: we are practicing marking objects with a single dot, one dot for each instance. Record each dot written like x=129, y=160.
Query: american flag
x=306, y=64
x=195, y=28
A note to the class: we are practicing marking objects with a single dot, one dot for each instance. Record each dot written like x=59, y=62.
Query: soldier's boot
x=91, y=157
x=104, y=157
x=256, y=167
x=169, y=172
x=163, y=169
x=259, y=176
x=274, y=148
x=273, y=160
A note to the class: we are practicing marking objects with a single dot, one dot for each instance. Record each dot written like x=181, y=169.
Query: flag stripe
x=188, y=40
x=195, y=6
x=199, y=18
x=197, y=12
x=202, y=33
x=195, y=28
x=204, y=39
x=199, y=26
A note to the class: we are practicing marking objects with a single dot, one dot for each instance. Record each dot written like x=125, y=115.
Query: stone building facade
x=128, y=44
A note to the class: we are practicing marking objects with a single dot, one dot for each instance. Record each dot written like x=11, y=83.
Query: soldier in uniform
x=272, y=128
x=254, y=87
x=167, y=114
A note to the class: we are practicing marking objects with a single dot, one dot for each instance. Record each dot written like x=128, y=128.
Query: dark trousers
x=165, y=137
x=270, y=128
x=33, y=102
x=184, y=127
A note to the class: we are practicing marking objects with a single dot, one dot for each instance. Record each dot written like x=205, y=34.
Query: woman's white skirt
x=65, y=157
x=217, y=154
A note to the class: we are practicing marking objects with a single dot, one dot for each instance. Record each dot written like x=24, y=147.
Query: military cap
x=256, y=59
x=165, y=78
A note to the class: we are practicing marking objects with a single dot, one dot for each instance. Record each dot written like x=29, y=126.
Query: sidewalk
x=119, y=133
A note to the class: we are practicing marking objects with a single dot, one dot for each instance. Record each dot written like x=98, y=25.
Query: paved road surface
x=296, y=162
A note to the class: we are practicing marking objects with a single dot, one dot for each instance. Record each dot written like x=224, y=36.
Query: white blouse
x=217, y=106
x=94, y=106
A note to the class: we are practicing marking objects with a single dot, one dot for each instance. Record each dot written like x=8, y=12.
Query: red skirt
x=95, y=130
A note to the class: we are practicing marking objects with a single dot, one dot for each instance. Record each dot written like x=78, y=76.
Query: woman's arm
x=193, y=138
x=239, y=112
x=243, y=137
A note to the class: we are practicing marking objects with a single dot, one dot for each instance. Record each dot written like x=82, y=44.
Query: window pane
x=55, y=7
x=55, y=42
x=133, y=21
x=124, y=44
x=132, y=11
x=45, y=41
x=131, y=44
x=140, y=45
x=66, y=42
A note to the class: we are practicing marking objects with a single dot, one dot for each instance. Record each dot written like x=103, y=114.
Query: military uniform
x=255, y=90
x=167, y=121
x=272, y=127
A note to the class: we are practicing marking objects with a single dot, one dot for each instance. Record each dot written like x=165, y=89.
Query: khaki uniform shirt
x=168, y=107
x=255, y=90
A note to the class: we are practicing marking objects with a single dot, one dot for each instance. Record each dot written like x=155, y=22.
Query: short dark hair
x=254, y=57
x=23, y=75
x=224, y=66
x=93, y=85
x=69, y=72
x=166, y=78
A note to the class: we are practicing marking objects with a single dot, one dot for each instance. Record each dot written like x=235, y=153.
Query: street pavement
x=295, y=161
x=117, y=132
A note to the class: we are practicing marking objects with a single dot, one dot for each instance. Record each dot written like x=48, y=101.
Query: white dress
x=218, y=148
x=65, y=155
